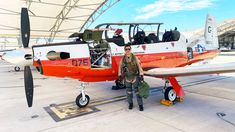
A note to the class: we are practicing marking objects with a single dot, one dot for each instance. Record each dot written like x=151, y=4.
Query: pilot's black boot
x=130, y=106
x=141, y=108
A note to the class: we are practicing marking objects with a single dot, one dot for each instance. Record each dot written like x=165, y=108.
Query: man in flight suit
x=131, y=71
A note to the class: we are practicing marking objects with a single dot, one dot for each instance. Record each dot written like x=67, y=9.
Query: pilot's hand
x=141, y=78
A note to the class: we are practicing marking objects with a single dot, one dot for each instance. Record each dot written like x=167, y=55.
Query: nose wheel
x=82, y=102
x=82, y=99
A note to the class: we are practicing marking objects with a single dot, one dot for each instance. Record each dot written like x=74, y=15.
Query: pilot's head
x=127, y=49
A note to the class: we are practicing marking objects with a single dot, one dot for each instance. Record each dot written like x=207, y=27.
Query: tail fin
x=210, y=34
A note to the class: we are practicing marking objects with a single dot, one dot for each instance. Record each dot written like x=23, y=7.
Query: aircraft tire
x=16, y=68
x=170, y=94
x=119, y=84
x=80, y=103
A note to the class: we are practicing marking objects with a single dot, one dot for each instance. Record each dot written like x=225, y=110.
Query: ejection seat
x=171, y=36
x=139, y=38
x=119, y=40
x=152, y=38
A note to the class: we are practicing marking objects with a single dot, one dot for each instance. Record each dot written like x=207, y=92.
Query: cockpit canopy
x=134, y=33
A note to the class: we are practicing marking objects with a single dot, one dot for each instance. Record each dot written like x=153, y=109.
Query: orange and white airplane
x=167, y=58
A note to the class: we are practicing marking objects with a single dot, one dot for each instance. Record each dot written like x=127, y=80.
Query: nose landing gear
x=82, y=99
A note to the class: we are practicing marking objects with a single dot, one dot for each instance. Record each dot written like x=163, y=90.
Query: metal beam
x=48, y=17
x=97, y=9
x=55, y=4
x=96, y=14
x=9, y=27
x=68, y=6
x=28, y=3
x=10, y=11
x=68, y=29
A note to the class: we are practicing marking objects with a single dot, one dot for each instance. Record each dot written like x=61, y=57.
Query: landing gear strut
x=82, y=99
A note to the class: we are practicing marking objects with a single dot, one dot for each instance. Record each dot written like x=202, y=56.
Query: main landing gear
x=172, y=93
x=169, y=92
x=82, y=99
x=119, y=85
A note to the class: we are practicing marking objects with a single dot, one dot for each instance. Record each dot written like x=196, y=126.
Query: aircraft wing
x=191, y=70
x=2, y=52
x=7, y=50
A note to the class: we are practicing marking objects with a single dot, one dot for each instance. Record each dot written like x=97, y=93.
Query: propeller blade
x=25, y=27
x=28, y=83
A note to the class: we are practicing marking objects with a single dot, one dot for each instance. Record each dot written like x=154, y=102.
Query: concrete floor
x=205, y=97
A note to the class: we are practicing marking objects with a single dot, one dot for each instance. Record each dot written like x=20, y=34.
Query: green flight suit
x=131, y=69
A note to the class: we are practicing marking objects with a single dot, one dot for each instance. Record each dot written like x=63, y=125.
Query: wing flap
x=191, y=70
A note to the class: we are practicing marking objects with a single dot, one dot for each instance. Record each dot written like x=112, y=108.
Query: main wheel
x=119, y=84
x=16, y=68
x=170, y=94
x=82, y=103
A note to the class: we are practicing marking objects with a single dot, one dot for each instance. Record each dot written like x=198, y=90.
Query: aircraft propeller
x=28, y=83
x=25, y=36
x=25, y=27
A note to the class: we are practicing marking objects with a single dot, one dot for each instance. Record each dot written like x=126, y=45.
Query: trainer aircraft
x=162, y=55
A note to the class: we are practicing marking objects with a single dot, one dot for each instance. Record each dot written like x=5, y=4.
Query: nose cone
x=17, y=57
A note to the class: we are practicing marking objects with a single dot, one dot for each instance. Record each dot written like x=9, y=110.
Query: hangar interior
x=65, y=17
x=226, y=32
x=49, y=19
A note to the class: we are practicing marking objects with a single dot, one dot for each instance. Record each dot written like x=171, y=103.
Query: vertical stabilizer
x=210, y=34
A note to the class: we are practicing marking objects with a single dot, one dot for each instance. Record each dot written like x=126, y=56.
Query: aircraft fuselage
x=79, y=64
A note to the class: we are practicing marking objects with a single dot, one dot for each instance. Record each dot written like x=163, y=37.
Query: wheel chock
x=179, y=99
x=166, y=102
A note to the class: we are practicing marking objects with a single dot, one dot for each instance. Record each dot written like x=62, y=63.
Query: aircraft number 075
x=79, y=62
